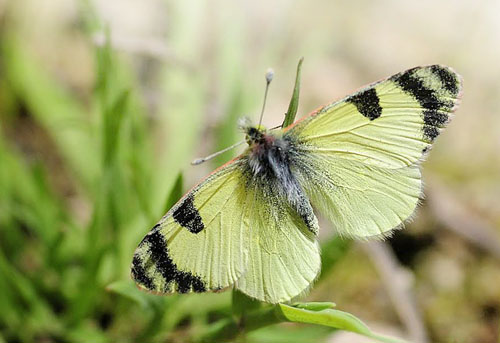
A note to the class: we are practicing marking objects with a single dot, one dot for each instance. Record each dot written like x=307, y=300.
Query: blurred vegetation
x=103, y=104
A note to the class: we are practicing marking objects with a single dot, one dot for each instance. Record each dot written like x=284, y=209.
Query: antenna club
x=197, y=161
x=269, y=75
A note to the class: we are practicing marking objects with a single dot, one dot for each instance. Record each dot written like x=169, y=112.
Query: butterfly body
x=270, y=166
x=251, y=225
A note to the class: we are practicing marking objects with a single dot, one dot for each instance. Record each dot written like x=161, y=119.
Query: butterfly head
x=254, y=135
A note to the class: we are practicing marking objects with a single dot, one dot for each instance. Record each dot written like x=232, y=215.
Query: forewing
x=201, y=243
x=284, y=256
x=389, y=124
x=358, y=158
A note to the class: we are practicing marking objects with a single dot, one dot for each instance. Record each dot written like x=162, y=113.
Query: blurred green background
x=103, y=104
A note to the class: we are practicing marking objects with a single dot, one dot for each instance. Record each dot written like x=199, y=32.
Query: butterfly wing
x=284, y=257
x=201, y=244
x=358, y=161
x=229, y=230
x=358, y=157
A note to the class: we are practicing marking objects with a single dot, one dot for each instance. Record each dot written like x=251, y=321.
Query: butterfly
x=251, y=225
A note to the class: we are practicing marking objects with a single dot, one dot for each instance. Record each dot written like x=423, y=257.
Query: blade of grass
x=332, y=318
x=185, y=101
x=175, y=194
x=294, y=102
x=53, y=107
x=230, y=328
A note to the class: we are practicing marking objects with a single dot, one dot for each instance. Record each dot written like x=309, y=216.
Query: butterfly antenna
x=269, y=78
x=215, y=154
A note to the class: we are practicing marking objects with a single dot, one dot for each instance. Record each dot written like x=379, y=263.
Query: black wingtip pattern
x=156, y=248
x=436, y=106
x=448, y=78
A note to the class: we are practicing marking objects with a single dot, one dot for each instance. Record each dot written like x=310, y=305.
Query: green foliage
x=64, y=267
x=294, y=101
x=310, y=313
x=176, y=193
x=332, y=318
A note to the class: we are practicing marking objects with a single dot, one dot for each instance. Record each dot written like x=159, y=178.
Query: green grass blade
x=332, y=318
x=53, y=108
x=315, y=306
x=175, y=193
x=294, y=102
x=307, y=313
